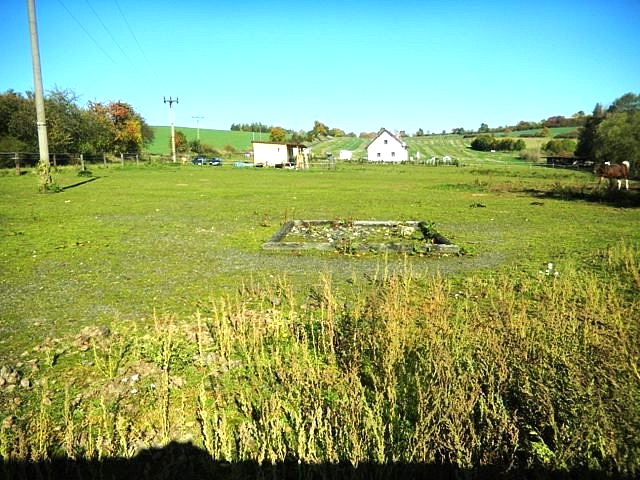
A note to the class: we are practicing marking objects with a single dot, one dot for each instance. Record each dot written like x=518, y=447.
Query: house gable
x=386, y=147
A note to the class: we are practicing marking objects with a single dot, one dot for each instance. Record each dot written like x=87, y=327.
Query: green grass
x=478, y=359
x=167, y=238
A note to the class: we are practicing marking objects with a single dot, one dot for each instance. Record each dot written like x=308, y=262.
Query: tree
x=319, y=130
x=614, y=135
x=277, y=134
x=128, y=126
x=587, y=133
x=420, y=133
x=629, y=102
x=484, y=128
x=17, y=122
x=98, y=131
x=483, y=143
x=181, y=142
x=617, y=138
x=63, y=121
x=560, y=146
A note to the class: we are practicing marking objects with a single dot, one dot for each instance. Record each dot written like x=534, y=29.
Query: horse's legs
x=619, y=184
x=626, y=183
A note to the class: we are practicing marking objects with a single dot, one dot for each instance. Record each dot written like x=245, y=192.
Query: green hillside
x=215, y=138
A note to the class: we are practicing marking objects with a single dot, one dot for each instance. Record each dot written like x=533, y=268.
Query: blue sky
x=358, y=66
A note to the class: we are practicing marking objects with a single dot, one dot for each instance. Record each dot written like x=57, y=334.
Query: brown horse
x=615, y=171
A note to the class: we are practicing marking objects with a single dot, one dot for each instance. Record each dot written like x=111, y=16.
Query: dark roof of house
x=382, y=130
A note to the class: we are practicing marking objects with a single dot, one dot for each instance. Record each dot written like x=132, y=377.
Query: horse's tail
x=627, y=164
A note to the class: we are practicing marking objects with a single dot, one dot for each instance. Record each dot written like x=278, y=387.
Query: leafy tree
x=195, y=146
x=319, y=130
x=629, y=102
x=278, y=134
x=128, y=128
x=484, y=128
x=587, y=133
x=483, y=143
x=22, y=124
x=63, y=121
x=98, y=130
x=420, y=133
x=298, y=137
x=181, y=142
x=564, y=146
x=519, y=145
x=617, y=138
x=613, y=135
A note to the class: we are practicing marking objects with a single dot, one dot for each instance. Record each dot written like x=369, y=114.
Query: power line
x=110, y=34
x=88, y=34
x=131, y=32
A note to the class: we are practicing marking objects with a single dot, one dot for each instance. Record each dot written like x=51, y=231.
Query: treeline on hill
x=486, y=143
x=281, y=134
x=250, y=127
x=110, y=127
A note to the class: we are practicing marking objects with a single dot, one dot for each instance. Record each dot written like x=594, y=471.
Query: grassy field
x=140, y=309
x=432, y=145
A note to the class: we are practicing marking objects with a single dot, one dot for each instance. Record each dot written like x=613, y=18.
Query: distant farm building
x=275, y=154
x=345, y=154
x=387, y=147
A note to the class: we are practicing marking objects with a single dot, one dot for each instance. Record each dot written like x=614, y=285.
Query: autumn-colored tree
x=182, y=145
x=128, y=126
x=319, y=130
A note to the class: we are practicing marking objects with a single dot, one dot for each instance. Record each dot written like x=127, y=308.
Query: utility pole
x=171, y=101
x=44, y=166
x=197, y=126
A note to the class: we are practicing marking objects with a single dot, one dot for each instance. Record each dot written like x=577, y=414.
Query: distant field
x=215, y=138
x=456, y=146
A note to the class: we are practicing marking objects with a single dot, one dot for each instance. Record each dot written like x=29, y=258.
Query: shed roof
x=280, y=143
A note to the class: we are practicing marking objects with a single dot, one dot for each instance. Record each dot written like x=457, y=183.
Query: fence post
x=122, y=158
x=104, y=159
x=82, y=167
x=137, y=160
x=16, y=158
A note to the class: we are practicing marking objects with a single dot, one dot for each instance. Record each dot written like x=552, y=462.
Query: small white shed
x=345, y=155
x=276, y=154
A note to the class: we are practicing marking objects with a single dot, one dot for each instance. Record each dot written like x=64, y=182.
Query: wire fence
x=20, y=160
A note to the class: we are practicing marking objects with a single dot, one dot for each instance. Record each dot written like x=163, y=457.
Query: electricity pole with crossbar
x=171, y=101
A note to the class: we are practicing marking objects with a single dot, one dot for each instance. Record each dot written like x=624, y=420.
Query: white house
x=275, y=154
x=387, y=147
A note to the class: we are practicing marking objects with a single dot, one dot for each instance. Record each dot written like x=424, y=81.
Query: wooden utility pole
x=171, y=101
x=44, y=167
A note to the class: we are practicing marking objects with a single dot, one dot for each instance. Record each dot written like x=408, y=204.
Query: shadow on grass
x=82, y=182
x=615, y=198
x=186, y=462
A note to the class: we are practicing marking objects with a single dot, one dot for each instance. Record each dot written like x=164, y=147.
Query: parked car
x=202, y=160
